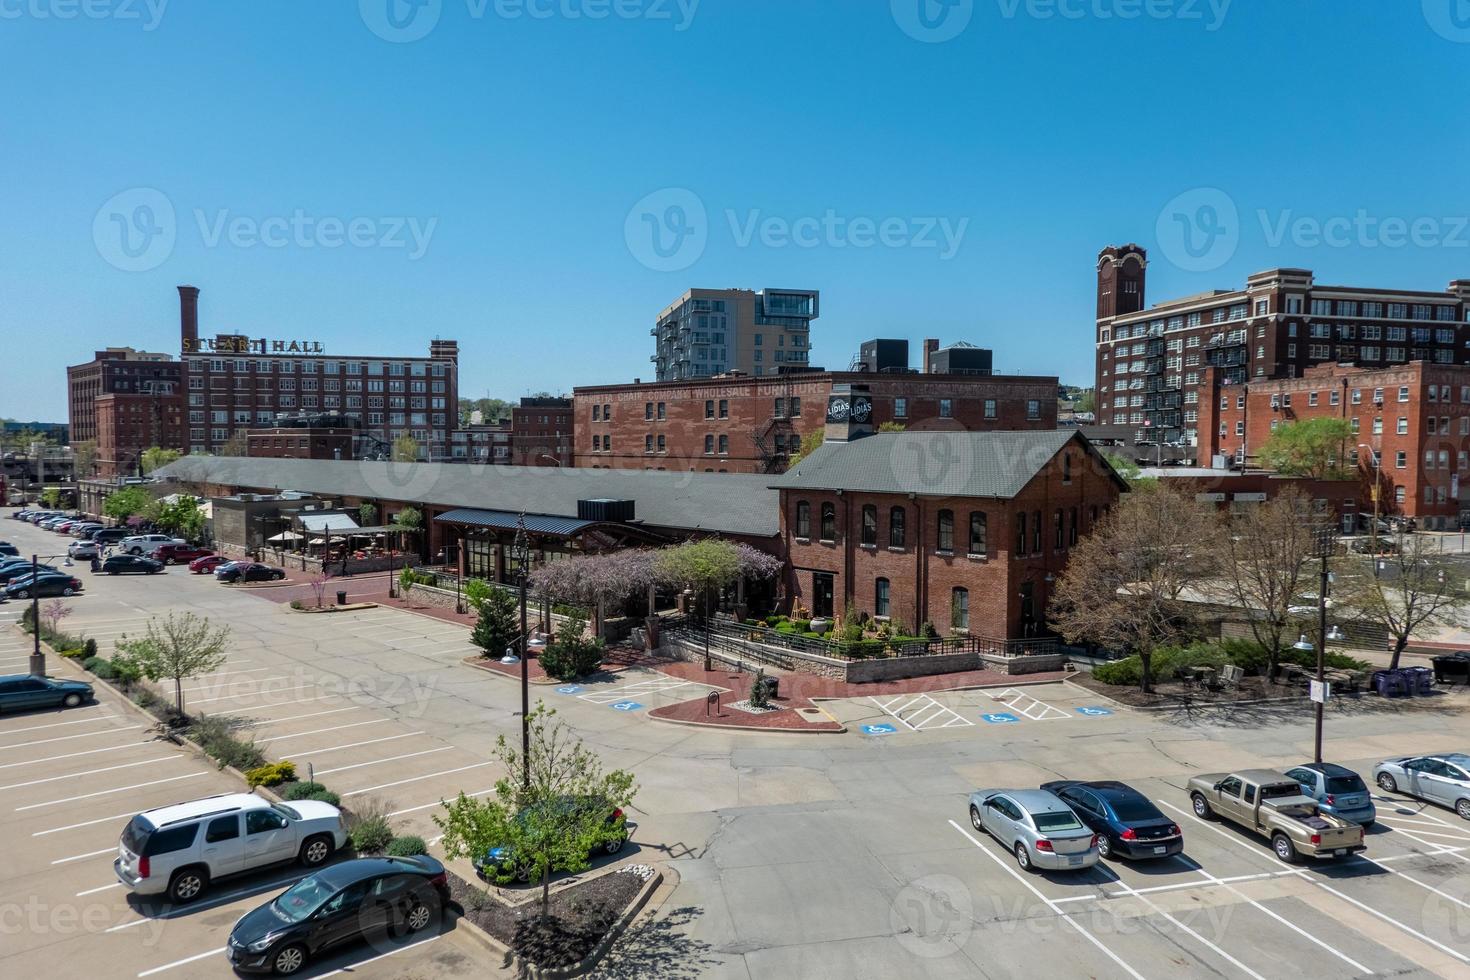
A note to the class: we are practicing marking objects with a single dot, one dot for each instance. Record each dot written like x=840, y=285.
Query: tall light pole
x=520, y=551
x=1374, y=462
x=1323, y=541
x=37, y=665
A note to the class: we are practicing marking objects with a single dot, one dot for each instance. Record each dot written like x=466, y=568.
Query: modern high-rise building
x=717, y=331
x=1151, y=359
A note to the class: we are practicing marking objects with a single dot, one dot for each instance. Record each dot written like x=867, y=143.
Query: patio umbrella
x=285, y=536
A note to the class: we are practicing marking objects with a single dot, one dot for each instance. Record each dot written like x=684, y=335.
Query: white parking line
x=217, y=684
x=374, y=959
x=89, y=772
x=57, y=724
x=630, y=691
x=415, y=779
x=89, y=854
x=183, y=962
x=271, y=704
x=918, y=712
x=1025, y=704
x=213, y=902
x=1049, y=904
x=354, y=745
x=1187, y=930
x=107, y=792
x=378, y=762
x=73, y=755
x=428, y=806
x=320, y=731
x=93, y=891
x=85, y=823
x=314, y=714
x=64, y=738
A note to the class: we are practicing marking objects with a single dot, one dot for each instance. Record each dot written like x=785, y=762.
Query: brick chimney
x=930, y=346
x=189, y=318
x=849, y=413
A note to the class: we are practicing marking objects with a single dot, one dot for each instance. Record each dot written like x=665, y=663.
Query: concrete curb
x=349, y=607
x=1176, y=707
x=750, y=728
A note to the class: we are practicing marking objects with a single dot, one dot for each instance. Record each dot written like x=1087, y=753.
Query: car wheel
x=186, y=885
x=71, y=700
x=1023, y=856
x=1284, y=848
x=136, y=551
x=23, y=594
x=279, y=576
x=975, y=819
x=288, y=959
x=1462, y=807
x=1201, y=807
x=615, y=845
x=418, y=917
x=68, y=591
x=168, y=561
x=1387, y=783
x=316, y=850
x=1104, y=846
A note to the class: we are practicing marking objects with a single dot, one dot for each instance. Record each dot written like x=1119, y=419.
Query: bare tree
x=176, y=648
x=1127, y=585
x=1262, y=561
x=1411, y=593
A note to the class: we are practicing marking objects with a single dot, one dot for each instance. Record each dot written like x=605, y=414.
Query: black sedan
x=339, y=904
x=249, y=572
x=20, y=568
x=131, y=565
x=43, y=585
x=1127, y=824
x=20, y=692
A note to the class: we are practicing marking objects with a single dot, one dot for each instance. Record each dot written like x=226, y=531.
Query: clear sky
x=937, y=168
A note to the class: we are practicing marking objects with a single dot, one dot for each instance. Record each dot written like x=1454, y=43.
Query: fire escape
x=772, y=457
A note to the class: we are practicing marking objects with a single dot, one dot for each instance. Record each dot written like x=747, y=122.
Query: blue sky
x=534, y=154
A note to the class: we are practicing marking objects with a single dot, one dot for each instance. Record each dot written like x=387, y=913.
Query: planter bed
x=1172, y=692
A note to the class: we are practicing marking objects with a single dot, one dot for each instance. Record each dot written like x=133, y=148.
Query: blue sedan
x=1126, y=822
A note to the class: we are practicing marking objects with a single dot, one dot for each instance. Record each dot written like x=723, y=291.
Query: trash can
x=1388, y=683
x=771, y=685
x=1418, y=680
x=341, y=597
x=1452, y=667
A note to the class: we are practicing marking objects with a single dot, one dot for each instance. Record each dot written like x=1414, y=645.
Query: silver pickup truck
x=1272, y=804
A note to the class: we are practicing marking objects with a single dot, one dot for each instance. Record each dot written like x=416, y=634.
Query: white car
x=143, y=544
x=178, y=850
x=83, y=549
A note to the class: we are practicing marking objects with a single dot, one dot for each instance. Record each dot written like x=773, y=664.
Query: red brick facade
x=751, y=425
x=1006, y=584
x=301, y=443
x=127, y=424
x=541, y=432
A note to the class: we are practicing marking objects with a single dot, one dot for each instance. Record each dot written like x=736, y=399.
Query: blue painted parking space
x=879, y=729
x=570, y=689
x=626, y=706
x=1094, y=712
x=999, y=718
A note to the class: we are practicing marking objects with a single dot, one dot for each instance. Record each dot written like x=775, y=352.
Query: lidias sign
x=247, y=345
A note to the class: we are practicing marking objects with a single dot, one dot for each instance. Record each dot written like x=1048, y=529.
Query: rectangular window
x=946, y=408
x=959, y=609
x=978, y=543
x=1033, y=409
x=724, y=445
x=944, y=538
x=1021, y=533
x=869, y=530
x=724, y=408
x=990, y=412
x=880, y=597
x=900, y=408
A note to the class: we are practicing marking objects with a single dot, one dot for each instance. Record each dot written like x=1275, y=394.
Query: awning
x=285, y=536
x=504, y=520
x=327, y=522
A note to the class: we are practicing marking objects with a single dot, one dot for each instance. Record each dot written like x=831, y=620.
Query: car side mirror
x=1220, y=784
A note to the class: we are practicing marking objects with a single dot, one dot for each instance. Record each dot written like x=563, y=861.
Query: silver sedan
x=1037, y=826
x=1442, y=779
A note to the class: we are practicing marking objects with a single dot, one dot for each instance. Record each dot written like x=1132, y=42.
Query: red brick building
x=125, y=400
x=128, y=424
x=325, y=437
x=541, y=432
x=740, y=424
x=965, y=530
x=1151, y=359
x=1415, y=418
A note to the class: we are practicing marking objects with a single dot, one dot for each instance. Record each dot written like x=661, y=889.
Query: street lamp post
x=521, y=552
x=1374, y=463
x=37, y=665
x=1323, y=539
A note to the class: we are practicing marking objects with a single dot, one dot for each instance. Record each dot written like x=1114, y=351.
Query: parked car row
x=20, y=580
x=1315, y=811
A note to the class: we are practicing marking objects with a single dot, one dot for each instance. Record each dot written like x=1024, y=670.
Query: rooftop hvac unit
x=604, y=509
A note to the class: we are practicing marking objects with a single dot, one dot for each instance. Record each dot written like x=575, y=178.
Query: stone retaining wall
x=1026, y=663
x=866, y=671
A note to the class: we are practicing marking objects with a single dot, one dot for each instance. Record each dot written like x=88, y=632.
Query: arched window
x=978, y=543
x=803, y=519
x=945, y=540
x=880, y=597
x=895, y=527
x=829, y=522
x=959, y=608
x=870, y=524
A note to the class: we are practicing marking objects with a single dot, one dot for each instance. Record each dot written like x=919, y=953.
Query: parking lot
x=831, y=856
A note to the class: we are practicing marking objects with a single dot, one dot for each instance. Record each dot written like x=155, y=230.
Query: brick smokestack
x=930, y=346
x=189, y=317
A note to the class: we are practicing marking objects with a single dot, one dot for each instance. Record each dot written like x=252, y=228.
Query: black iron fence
x=869, y=648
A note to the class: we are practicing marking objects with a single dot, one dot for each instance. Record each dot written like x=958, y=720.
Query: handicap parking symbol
x=570, y=689
x=879, y=729
x=999, y=718
x=1094, y=712
x=626, y=706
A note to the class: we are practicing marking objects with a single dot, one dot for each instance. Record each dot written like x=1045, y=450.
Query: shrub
x=311, y=791
x=371, y=835
x=271, y=774
x=216, y=737
x=930, y=631
x=802, y=625
x=571, y=655
x=296, y=604
x=28, y=619
x=100, y=666
x=409, y=846
x=75, y=653
x=758, y=695
x=89, y=647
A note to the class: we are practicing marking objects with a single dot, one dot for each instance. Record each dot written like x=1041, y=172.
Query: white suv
x=177, y=850
x=143, y=544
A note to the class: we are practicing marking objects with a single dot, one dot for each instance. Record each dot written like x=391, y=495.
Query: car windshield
x=1131, y=809
x=302, y=899
x=1345, y=784
x=1280, y=791
x=135, y=834
x=286, y=811
x=1056, y=821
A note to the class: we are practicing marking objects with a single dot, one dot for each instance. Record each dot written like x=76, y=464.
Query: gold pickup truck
x=1272, y=804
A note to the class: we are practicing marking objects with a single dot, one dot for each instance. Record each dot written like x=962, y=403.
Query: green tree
x=84, y=453
x=573, y=654
x=238, y=444
x=367, y=515
x=544, y=824
x=124, y=503
x=1313, y=448
x=409, y=519
x=183, y=517
x=498, y=626
x=1086, y=401
x=156, y=457
x=180, y=646
x=809, y=444
x=51, y=497
x=405, y=449
x=703, y=566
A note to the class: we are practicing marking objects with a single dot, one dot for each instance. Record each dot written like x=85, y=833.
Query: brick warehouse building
x=236, y=383
x=1150, y=360
x=125, y=400
x=742, y=424
x=1415, y=417
x=541, y=432
x=965, y=530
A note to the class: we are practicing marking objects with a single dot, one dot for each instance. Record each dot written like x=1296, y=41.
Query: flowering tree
x=319, y=586
x=755, y=563
x=596, y=581
x=52, y=613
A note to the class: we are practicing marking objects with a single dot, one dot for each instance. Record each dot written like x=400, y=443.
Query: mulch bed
x=581, y=915
x=1169, y=692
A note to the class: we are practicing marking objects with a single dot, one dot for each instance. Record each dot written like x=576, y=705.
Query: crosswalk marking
x=630, y=691
x=921, y=712
x=1024, y=704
